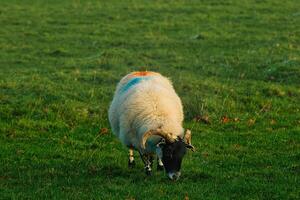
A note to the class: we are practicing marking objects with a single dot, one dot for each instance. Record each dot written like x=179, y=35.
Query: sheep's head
x=171, y=151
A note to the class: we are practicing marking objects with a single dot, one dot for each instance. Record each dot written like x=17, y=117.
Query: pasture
x=235, y=65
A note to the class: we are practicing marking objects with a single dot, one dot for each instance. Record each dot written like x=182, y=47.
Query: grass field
x=235, y=64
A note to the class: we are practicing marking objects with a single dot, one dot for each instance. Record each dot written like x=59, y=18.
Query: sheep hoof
x=148, y=172
x=131, y=164
x=160, y=167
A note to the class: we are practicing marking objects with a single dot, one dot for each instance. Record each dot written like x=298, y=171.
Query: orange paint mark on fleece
x=143, y=73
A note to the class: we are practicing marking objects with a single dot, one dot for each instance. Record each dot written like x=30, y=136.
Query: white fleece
x=143, y=103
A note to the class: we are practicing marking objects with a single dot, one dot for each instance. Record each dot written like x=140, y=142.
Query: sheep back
x=145, y=101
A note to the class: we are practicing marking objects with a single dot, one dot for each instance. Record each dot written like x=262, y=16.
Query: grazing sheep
x=146, y=115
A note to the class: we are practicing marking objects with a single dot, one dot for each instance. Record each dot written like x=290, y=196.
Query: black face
x=172, y=154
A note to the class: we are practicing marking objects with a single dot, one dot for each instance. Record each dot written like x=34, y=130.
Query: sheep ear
x=188, y=140
x=191, y=147
x=188, y=136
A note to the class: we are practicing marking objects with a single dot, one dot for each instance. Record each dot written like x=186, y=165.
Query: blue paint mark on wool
x=133, y=82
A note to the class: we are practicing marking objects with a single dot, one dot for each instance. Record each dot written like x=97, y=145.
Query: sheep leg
x=148, y=165
x=151, y=158
x=148, y=160
x=131, y=162
x=160, y=165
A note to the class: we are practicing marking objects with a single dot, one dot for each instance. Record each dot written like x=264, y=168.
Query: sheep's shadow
x=113, y=171
x=137, y=174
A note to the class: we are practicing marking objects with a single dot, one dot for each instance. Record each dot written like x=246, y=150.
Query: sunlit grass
x=235, y=65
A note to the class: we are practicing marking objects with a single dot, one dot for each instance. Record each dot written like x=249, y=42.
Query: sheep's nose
x=174, y=176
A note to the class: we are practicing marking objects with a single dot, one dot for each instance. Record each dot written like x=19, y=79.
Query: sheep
x=146, y=115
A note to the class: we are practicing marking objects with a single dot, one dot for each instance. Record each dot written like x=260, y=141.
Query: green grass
x=60, y=62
